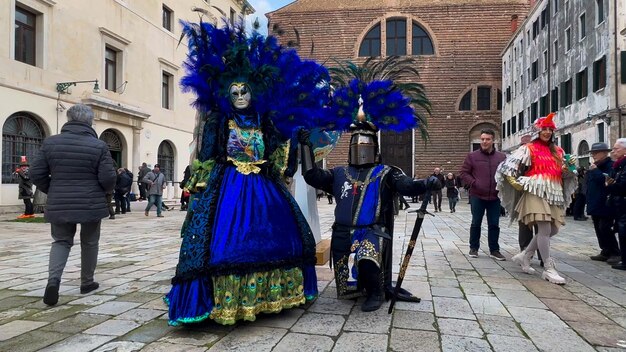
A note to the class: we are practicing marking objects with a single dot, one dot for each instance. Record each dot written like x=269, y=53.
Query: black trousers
x=142, y=191
x=403, y=202
x=606, y=235
x=437, y=199
x=28, y=207
x=109, y=198
x=578, y=208
x=120, y=202
x=620, y=221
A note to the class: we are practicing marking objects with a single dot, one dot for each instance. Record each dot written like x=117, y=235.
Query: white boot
x=523, y=259
x=550, y=273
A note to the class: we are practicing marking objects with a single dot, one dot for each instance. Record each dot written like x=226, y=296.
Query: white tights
x=541, y=241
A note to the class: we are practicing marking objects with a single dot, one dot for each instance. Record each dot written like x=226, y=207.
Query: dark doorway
x=397, y=149
x=114, y=142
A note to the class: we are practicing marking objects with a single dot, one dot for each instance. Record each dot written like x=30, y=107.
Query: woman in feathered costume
x=246, y=248
x=539, y=171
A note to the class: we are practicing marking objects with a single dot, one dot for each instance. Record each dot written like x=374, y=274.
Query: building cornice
x=109, y=33
x=169, y=64
x=48, y=3
x=108, y=104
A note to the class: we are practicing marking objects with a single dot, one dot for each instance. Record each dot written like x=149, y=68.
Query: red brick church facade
x=458, y=47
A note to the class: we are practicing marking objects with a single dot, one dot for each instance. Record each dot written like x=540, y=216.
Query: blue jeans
x=157, y=200
x=493, y=222
x=452, y=202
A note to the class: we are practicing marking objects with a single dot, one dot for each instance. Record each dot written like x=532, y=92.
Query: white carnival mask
x=240, y=95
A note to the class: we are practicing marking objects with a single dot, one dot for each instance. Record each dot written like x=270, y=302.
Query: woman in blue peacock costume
x=246, y=247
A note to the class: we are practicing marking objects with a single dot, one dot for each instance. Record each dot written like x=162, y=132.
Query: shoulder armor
x=397, y=168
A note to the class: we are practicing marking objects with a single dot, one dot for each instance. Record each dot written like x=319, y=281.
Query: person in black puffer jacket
x=122, y=187
x=76, y=170
x=616, y=186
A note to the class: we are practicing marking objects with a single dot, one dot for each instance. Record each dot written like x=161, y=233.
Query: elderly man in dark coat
x=76, y=170
x=602, y=214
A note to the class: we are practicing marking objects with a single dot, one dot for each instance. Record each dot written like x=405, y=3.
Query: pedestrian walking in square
x=616, y=184
x=438, y=195
x=452, y=191
x=25, y=188
x=143, y=171
x=76, y=170
x=602, y=214
x=477, y=172
x=155, y=184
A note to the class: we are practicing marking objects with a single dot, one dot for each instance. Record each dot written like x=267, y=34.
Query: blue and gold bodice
x=245, y=147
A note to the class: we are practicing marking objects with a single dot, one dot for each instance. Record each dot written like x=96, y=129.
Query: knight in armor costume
x=361, y=244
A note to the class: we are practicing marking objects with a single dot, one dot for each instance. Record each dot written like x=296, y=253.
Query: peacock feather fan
x=390, y=96
x=287, y=89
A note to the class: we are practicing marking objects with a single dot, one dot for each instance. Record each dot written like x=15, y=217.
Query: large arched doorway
x=165, y=159
x=22, y=134
x=583, y=154
x=475, y=132
x=396, y=148
x=114, y=142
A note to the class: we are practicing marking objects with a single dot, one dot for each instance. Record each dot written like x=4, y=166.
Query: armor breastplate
x=358, y=192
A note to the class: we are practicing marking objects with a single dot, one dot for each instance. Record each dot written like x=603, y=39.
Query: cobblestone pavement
x=468, y=304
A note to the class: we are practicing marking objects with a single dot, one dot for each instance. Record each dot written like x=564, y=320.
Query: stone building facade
x=458, y=45
x=130, y=47
x=568, y=57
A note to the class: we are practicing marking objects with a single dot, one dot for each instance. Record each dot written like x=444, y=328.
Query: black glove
x=304, y=136
x=433, y=183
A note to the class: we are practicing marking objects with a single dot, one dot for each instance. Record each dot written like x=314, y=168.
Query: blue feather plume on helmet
x=386, y=92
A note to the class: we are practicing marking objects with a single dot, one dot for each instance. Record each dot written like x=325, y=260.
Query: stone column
x=136, y=162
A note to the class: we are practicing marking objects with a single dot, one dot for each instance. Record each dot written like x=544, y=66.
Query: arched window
x=583, y=154
x=396, y=37
x=422, y=45
x=165, y=159
x=114, y=142
x=22, y=134
x=370, y=46
x=466, y=101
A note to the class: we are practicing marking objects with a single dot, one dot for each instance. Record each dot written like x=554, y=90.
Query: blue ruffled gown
x=246, y=247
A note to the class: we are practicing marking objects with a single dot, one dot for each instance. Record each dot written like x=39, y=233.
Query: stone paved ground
x=468, y=304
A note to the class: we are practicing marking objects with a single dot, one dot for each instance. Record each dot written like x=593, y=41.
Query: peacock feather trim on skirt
x=243, y=297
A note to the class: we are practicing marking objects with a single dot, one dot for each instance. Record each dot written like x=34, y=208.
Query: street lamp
x=62, y=87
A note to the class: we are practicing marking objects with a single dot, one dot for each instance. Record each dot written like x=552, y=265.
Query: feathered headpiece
x=372, y=96
x=541, y=123
x=285, y=88
x=546, y=122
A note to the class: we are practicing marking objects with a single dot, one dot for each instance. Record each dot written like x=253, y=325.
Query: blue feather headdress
x=372, y=96
x=288, y=90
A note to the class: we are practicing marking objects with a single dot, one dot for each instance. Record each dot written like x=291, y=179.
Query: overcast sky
x=264, y=6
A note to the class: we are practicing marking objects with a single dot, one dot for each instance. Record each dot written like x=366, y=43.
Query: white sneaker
x=550, y=273
x=523, y=259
